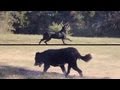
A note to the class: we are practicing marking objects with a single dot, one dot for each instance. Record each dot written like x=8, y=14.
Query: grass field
x=17, y=62
x=34, y=39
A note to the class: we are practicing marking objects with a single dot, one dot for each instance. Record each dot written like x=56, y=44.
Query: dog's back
x=64, y=55
x=59, y=57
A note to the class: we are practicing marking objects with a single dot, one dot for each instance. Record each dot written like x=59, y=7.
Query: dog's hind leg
x=68, y=39
x=63, y=41
x=78, y=70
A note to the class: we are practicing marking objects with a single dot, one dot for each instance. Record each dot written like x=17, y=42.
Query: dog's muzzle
x=36, y=64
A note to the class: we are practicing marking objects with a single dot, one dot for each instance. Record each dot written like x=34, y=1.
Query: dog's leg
x=46, y=67
x=68, y=71
x=63, y=41
x=78, y=70
x=63, y=69
x=47, y=41
x=68, y=39
x=41, y=40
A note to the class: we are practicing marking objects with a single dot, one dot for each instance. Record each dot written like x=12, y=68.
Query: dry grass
x=34, y=39
x=18, y=62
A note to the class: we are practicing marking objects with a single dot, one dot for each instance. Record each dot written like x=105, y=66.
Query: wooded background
x=82, y=23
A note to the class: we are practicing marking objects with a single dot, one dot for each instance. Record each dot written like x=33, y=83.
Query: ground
x=17, y=62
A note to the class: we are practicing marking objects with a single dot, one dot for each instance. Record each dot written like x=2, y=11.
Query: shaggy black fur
x=47, y=36
x=59, y=57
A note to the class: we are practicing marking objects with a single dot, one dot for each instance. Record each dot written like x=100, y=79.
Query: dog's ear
x=37, y=52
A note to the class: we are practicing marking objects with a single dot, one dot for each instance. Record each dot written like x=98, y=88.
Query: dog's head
x=38, y=59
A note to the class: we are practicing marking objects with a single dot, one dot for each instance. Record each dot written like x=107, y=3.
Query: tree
x=83, y=23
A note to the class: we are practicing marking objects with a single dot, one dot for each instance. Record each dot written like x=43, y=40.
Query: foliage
x=55, y=27
x=82, y=23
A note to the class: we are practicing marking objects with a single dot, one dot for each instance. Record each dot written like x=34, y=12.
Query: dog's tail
x=85, y=58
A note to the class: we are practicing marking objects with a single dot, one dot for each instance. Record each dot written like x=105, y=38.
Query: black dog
x=47, y=36
x=59, y=57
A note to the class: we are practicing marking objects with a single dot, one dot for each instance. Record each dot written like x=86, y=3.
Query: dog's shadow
x=12, y=72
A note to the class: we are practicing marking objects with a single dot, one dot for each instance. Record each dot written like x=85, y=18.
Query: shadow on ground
x=11, y=72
